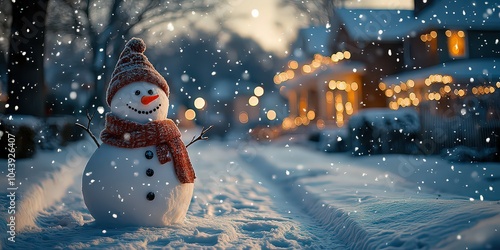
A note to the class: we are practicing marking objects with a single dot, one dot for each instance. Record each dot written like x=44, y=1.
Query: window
x=456, y=43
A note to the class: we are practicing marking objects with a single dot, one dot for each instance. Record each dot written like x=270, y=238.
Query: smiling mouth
x=144, y=112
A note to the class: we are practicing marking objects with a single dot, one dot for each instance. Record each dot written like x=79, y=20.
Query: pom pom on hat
x=137, y=45
x=134, y=66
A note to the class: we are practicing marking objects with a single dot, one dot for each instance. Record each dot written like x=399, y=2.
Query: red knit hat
x=134, y=66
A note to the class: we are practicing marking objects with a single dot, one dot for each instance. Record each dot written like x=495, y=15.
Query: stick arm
x=200, y=137
x=87, y=128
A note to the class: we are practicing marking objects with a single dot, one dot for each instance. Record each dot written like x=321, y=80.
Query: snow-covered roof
x=393, y=25
x=375, y=24
x=478, y=69
x=459, y=14
x=225, y=89
x=310, y=41
x=337, y=69
x=345, y=67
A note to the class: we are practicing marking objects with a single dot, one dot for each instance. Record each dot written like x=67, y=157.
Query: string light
x=403, y=95
x=307, y=68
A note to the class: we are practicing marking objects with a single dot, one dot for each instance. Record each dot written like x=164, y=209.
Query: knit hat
x=134, y=66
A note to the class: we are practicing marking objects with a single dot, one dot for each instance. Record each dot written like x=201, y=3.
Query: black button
x=150, y=172
x=150, y=196
x=149, y=154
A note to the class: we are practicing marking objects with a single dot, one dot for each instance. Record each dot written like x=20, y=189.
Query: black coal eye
x=137, y=92
x=150, y=91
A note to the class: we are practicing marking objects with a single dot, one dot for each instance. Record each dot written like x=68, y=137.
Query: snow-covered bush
x=468, y=154
x=33, y=133
x=23, y=128
x=66, y=128
x=58, y=131
x=382, y=131
x=333, y=140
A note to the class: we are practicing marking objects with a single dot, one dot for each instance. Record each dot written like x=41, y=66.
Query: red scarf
x=163, y=134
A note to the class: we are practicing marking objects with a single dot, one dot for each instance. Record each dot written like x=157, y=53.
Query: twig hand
x=200, y=137
x=87, y=128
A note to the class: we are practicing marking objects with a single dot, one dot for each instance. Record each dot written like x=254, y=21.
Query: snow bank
x=41, y=182
x=484, y=235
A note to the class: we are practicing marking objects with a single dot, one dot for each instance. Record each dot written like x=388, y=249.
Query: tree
x=25, y=59
x=105, y=26
x=5, y=18
x=319, y=11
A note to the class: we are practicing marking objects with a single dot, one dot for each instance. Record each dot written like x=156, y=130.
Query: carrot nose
x=147, y=99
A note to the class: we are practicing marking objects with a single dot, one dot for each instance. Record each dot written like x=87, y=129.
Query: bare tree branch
x=104, y=26
x=319, y=11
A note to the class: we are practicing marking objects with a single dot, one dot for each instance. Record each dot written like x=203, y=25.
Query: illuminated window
x=456, y=43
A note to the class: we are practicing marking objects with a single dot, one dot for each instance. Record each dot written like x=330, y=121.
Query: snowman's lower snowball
x=121, y=186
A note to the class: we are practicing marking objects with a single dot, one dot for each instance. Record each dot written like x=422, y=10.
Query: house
x=451, y=73
x=334, y=84
x=454, y=45
x=442, y=59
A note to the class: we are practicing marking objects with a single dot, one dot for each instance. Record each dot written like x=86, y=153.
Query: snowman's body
x=129, y=186
x=126, y=186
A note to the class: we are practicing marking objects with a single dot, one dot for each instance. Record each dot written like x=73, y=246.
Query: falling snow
x=329, y=125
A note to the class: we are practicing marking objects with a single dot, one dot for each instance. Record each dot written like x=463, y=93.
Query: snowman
x=141, y=175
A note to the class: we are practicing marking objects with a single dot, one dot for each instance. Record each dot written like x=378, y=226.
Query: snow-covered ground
x=278, y=195
x=395, y=201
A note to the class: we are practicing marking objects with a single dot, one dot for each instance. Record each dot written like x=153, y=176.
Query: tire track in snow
x=335, y=224
x=327, y=223
x=234, y=191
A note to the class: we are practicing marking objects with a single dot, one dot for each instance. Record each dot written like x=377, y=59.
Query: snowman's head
x=140, y=102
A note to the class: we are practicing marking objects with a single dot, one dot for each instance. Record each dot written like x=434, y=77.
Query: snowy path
x=231, y=208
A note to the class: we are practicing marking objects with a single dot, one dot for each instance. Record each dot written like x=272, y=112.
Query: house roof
x=394, y=25
x=226, y=89
x=479, y=69
x=310, y=41
x=375, y=24
x=459, y=14
x=337, y=69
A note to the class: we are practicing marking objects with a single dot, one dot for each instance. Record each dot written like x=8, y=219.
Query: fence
x=475, y=126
